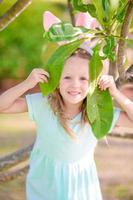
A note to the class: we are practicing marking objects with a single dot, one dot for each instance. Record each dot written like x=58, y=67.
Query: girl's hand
x=37, y=75
x=107, y=82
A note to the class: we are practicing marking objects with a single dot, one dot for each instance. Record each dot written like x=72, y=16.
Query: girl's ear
x=81, y=19
x=85, y=20
x=49, y=19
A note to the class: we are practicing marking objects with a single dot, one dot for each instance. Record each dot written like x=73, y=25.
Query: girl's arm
x=126, y=117
x=11, y=100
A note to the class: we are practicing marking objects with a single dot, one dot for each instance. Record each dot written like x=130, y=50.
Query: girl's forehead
x=75, y=62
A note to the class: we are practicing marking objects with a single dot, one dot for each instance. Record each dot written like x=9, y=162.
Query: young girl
x=62, y=163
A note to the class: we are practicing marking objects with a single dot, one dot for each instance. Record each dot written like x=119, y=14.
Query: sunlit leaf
x=95, y=67
x=121, y=10
x=100, y=112
x=108, y=49
x=103, y=11
x=63, y=31
x=80, y=6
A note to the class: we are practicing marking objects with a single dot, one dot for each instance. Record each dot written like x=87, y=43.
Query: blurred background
x=22, y=48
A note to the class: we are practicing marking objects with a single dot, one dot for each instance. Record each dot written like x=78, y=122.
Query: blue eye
x=83, y=78
x=67, y=77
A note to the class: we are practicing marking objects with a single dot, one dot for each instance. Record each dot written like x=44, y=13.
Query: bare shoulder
x=19, y=106
x=124, y=120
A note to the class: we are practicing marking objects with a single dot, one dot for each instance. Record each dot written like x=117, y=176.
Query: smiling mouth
x=74, y=93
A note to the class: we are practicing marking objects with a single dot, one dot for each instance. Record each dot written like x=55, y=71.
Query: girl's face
x=74, y=80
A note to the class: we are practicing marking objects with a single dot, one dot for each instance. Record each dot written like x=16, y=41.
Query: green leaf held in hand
x=100, y=112
x=55, y=65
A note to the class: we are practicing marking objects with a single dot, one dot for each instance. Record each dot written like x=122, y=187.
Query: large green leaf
x=100, y=112
x=95, y=67
x=63, y=31
x=55, y=65
x=104, y=13
x=121, y=11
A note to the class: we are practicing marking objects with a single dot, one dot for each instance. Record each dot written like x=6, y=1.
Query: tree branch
x=15, y=158
x=121, y=43
x=8, y=176
x=122, y=135
x=13, y=12
x=70, y=9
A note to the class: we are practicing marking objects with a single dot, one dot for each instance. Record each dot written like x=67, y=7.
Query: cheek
x=86, y=86
x=62, y=86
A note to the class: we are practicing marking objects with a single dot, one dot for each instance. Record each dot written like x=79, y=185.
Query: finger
x=42, y=80
x=106, y=86
x=42, y=71
x=102, y=86
x=43, y=77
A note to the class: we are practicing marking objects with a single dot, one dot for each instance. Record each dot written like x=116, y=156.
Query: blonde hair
x=56, y=101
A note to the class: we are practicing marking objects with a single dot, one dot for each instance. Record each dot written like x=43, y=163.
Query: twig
x=70, y=9
x=8, y=176
x=121, y=135
x=13, y=12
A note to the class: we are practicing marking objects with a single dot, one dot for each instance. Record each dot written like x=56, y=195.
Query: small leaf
x=121, y=11
x=100, y=112
x=63, y=31
x=91, y=10
x=106, y=8
x=78, y=5
x=114, y=4
x=55, y=65
x=108, y=49
x=103, y=12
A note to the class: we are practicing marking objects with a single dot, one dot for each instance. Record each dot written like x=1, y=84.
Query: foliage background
x=21, y=43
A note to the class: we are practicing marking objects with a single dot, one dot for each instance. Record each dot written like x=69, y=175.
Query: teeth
x=74, y=93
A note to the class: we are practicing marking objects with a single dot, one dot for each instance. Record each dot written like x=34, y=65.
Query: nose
x=75, y=82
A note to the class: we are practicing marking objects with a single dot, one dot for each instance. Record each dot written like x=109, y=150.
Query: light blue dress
x=61, y=169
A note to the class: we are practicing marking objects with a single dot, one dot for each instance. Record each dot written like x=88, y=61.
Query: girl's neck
x=71, y=111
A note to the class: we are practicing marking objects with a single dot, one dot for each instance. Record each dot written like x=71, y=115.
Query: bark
x=13, y=12
x=113, y=69
x=122, y=135
x=15, y=158
x=121, y=43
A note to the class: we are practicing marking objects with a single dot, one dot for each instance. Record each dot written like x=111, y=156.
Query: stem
x=13, y=12
x=70, y=9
